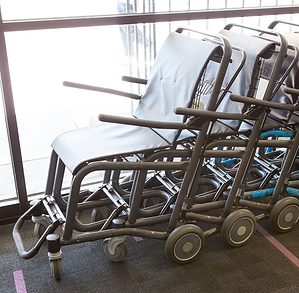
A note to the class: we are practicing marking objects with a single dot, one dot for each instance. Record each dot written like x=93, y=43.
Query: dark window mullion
x=11, y=123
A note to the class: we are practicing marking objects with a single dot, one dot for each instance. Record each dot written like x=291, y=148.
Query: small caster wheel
x=38, y=230
x=238, y=228
x=78, y=214
x=56, y=268
x=54, y=254
x=184, y=243
x=100, y=213
x=284, y=214
x=115, y=253
x=125, y=179
x=148, y=202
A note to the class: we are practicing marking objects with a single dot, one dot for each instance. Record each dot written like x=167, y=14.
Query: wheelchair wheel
x=117, y=254
x=100, y=213
x=38, y=230
x=272, y=154
x=284, y=215
x=56, y=268
x=148, y=202
x=238, y=228
x=184, y=243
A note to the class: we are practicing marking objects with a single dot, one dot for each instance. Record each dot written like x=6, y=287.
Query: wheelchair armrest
x=101, y=89
x=263, y=103
x=134, y=79
x=141, y=122
x=211, y=115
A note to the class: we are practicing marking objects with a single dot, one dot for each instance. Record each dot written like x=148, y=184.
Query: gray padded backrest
x=292, y=79
x=175, y=72
x=254, y=47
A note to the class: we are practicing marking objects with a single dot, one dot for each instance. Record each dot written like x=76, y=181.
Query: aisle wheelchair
x=140, y=146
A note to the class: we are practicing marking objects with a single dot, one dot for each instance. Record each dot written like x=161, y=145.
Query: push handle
x=276, y=22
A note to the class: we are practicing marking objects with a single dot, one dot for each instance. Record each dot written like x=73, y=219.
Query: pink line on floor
x=19, y=281
x=293, y=258
x=137, y=238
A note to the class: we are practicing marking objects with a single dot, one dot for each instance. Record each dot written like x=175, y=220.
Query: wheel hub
x=241, y=231
x=289, y=217
x=187, y=247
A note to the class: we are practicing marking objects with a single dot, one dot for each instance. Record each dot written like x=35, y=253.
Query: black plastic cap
x=53, y=241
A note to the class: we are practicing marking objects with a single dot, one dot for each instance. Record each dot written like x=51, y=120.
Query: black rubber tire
x=284, y=215
x=184, y=243
x=56, y=268
x=100, y=213
x=238, y=227
x=119, y=254
x=149, y=202
x=38, y=230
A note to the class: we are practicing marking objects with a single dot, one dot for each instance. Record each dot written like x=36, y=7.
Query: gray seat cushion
x=101, y=141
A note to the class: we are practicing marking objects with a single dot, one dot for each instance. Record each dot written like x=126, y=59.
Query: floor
x=268, y=263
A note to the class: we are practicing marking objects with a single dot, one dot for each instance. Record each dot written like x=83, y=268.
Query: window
x=7, y=190
x=40, y=60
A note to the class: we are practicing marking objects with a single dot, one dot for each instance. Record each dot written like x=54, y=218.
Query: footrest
x=53, y=209
x=56, y=216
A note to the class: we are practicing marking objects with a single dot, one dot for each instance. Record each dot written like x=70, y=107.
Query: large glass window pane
x=39, y=63
x=27, y=9
x=7, y=186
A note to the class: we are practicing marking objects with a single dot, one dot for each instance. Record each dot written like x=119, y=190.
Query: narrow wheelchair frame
x=282, y=206
x=126, y=217
x=232, y=221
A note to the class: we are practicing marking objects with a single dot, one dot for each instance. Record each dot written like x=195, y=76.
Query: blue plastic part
x=262, y=193
x=228, y=162
x=277, y=133
x=268, y=150
x=293, y=191
x=268, y=191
